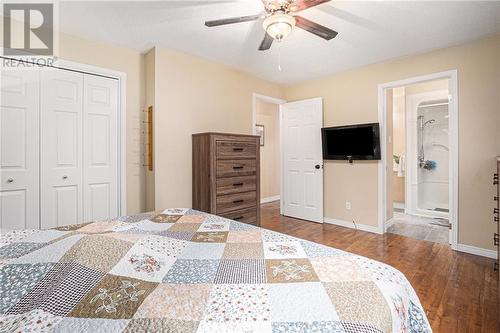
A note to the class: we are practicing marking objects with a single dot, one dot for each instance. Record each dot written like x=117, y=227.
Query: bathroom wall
x=398, y=142
x=267, y=114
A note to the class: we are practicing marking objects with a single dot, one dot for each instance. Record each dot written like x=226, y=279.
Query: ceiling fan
x=279, y=20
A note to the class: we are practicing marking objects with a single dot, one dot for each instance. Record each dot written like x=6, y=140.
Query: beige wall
x=150, y=84
x=351, y=97
x=194, y=95
x=267, y=114
x=131, y=63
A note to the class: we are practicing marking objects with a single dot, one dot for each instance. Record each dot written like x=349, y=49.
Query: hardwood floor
x=458, y=291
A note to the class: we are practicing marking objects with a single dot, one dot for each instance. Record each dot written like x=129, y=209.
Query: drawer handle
x=237, y=167
x=238, y=201
x=10, y=180
x=238, y=218
x=237, y=149
x=238, y=184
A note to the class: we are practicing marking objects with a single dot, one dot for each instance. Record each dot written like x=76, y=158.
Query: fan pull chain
x=279, y=55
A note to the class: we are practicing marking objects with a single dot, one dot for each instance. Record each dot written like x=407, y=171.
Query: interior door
x=61, y=148
x=19, y=122
x=302, y=159
x=100, y=147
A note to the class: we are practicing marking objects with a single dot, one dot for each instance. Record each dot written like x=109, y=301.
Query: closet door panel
x=61, y=148
x=100, y=147
x=19, y=123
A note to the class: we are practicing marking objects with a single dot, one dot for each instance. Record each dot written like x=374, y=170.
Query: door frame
x=277, y=101
x=452, y=76
x=121, y=77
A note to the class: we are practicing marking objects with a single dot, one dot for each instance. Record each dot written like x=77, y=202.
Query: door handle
x=317, y=166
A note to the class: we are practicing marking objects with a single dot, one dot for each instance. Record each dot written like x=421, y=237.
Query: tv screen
x=355, y=142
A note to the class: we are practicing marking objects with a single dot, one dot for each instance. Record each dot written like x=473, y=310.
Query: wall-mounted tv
x=354, y=142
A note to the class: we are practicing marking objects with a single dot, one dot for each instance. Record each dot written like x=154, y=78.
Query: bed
x=187, y=271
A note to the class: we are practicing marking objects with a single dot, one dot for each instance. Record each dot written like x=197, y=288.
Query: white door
x=61, y=148
x=302, y=159
x=100, y=147
x=19, y=116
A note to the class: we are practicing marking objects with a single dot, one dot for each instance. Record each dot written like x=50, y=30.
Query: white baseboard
x=347, y=224
x=389, y=223
x=269, y=199
x=478, y=251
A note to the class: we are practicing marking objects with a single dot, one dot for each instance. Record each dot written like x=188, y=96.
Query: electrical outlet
x=348, y=205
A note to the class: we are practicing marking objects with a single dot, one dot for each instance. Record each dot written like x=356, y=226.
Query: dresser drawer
x=231, y=202
x=232, y=168
x=247, y=215
x=236, y=149
x=236, y=185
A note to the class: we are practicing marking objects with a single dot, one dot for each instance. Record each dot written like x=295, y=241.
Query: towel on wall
x=402, y=165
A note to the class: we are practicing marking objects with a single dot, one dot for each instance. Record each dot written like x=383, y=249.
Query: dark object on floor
x=441, y=222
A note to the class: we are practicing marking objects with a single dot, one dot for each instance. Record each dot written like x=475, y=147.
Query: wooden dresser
x=226, y=175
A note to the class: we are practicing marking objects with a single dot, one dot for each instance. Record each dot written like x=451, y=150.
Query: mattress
x=187, y=271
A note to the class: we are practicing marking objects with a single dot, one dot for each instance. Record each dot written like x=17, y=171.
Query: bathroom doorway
x=420, y=164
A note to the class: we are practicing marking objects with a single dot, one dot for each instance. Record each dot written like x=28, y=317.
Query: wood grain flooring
x=458, y=291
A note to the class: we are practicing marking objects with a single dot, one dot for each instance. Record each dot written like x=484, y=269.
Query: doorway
x=419, y=158
x=299, y=154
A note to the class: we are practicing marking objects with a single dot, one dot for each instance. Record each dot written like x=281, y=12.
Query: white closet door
x=19, y=116
x=61, y=148
x=100, y=147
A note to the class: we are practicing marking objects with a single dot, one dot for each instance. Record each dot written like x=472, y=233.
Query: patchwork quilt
x=187, y=271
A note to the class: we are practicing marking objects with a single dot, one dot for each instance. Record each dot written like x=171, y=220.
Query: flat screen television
x=354, y=142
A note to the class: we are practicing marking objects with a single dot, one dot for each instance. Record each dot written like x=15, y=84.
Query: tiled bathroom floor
x=419, y=228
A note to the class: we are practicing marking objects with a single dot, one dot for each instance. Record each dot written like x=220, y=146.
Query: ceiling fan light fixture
x=278, y=26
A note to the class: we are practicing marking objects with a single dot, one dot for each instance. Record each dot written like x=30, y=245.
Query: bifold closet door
x=61, y=126
x=19, y=116
x=100, y=119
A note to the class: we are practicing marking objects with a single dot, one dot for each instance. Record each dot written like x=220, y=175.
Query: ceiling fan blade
x=304, y=4
x=266, y=42
x=232, y=20
x=315, y=28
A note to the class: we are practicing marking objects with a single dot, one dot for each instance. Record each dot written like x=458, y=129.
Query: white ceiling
x=369, y=32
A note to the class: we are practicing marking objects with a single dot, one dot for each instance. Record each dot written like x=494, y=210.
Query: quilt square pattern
x=114, y=297
x=214, y=226
x=283, y=250
x=174, y=301
x=181, y=270
x=59, y=290
x=249, y=271
x=164, y=218
x=17, y=280
x=97, y=252
x=244, y=236
x=243, y=251
x=143, y=263
x=195, y=250
x=240, y=302
x=210, y=237
x=192, y=271
x=290, y=270
x=316, y=304
x=197, y=219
